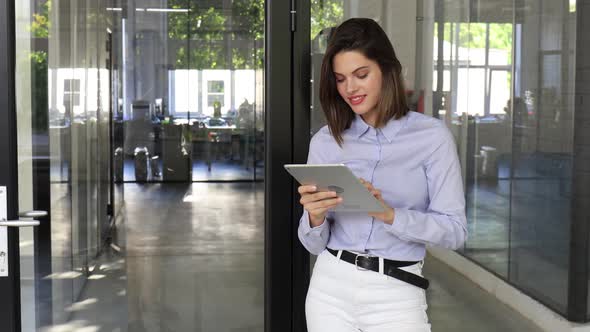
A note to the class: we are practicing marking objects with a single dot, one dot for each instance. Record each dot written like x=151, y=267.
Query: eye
x=339, y=80
x=363, y=76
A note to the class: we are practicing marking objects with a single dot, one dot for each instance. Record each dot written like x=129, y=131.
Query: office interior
x=144, y=127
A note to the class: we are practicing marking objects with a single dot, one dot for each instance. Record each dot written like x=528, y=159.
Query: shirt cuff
x=306, y=226
x=400, y=223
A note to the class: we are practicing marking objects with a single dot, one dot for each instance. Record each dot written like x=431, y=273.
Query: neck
x=370, y=119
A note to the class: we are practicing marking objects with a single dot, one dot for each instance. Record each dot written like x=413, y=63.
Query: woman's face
x=358, y=80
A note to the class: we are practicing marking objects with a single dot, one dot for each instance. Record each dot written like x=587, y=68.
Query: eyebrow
x=359, y=68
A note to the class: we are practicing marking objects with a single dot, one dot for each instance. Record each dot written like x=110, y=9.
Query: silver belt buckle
x=356, y=259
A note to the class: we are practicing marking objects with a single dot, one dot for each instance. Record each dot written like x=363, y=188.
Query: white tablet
x=338, y=178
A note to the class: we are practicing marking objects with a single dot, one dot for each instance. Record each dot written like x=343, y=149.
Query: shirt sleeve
x=314, y=239
x=444, y=223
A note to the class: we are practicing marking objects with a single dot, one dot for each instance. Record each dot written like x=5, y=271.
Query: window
x=215, y=92
x=71, y=92
x=477, y=61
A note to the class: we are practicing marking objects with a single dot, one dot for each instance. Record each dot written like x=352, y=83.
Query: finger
x=307, y=189
x=318, y=196
x=367, y=185
x=376, y=192
x=308, y=198
x=321, y=211
x=324, y=204
x=327, y=203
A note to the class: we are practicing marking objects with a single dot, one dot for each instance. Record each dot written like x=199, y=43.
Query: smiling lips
x=355, y=100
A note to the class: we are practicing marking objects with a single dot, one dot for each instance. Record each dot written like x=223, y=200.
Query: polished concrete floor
x=520, y=229
x=217, y=170
x=189, y=257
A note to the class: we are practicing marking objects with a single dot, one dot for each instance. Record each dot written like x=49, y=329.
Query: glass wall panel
x=63, y=118
x=472, y=99
x=502, y=80
x=194, y=111
x=507, y=94
x=543, y=144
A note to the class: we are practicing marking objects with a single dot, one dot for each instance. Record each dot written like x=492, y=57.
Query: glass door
x=62, y=99
x=114, y=111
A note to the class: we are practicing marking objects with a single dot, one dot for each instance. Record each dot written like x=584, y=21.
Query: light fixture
x=168, y=10
x=156, y=10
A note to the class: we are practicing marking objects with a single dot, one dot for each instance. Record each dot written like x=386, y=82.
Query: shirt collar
x=359, y=127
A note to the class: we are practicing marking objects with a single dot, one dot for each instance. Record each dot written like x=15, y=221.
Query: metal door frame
x=287, y=100
x=10, y=305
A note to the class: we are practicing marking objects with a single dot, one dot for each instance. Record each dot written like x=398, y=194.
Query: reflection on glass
x=199, y=84
x=542, y=114
x=325, y=15
x=176, y=88
x=62, y=113
x=508, y=84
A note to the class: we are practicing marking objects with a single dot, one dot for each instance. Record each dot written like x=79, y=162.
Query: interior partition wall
x=54, y=159
x=508, y=79
x=62, y=101
x=189, y=90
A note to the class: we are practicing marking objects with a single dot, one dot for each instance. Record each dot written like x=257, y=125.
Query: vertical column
x=278, y=202
x=578, y=272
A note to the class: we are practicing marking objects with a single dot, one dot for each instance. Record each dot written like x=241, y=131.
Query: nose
x=351, y=86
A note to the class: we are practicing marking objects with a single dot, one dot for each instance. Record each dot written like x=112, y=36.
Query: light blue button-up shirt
x=413, y=161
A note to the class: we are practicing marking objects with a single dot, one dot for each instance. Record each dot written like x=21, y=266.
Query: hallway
x=191, y=259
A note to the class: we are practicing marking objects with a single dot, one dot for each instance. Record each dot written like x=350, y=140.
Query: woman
x=368, y=273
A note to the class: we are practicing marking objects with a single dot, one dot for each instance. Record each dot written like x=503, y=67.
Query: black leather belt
x=390, y=267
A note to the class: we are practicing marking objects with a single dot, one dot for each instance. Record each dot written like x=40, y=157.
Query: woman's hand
x=389, y=214
x=317, y=203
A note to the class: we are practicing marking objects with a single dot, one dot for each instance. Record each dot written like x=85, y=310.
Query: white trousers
x=342, y=298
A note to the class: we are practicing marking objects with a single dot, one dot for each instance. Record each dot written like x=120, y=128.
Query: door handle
x=33, y=214
x=27, y=222
x=19, y=223
x=12, y=223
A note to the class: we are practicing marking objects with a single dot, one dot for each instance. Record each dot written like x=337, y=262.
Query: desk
x=211, y=141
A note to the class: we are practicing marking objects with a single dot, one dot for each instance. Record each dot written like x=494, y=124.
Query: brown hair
x=366, y=36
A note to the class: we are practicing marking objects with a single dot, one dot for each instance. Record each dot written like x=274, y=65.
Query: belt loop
x=381, y=264
x=338, y=255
